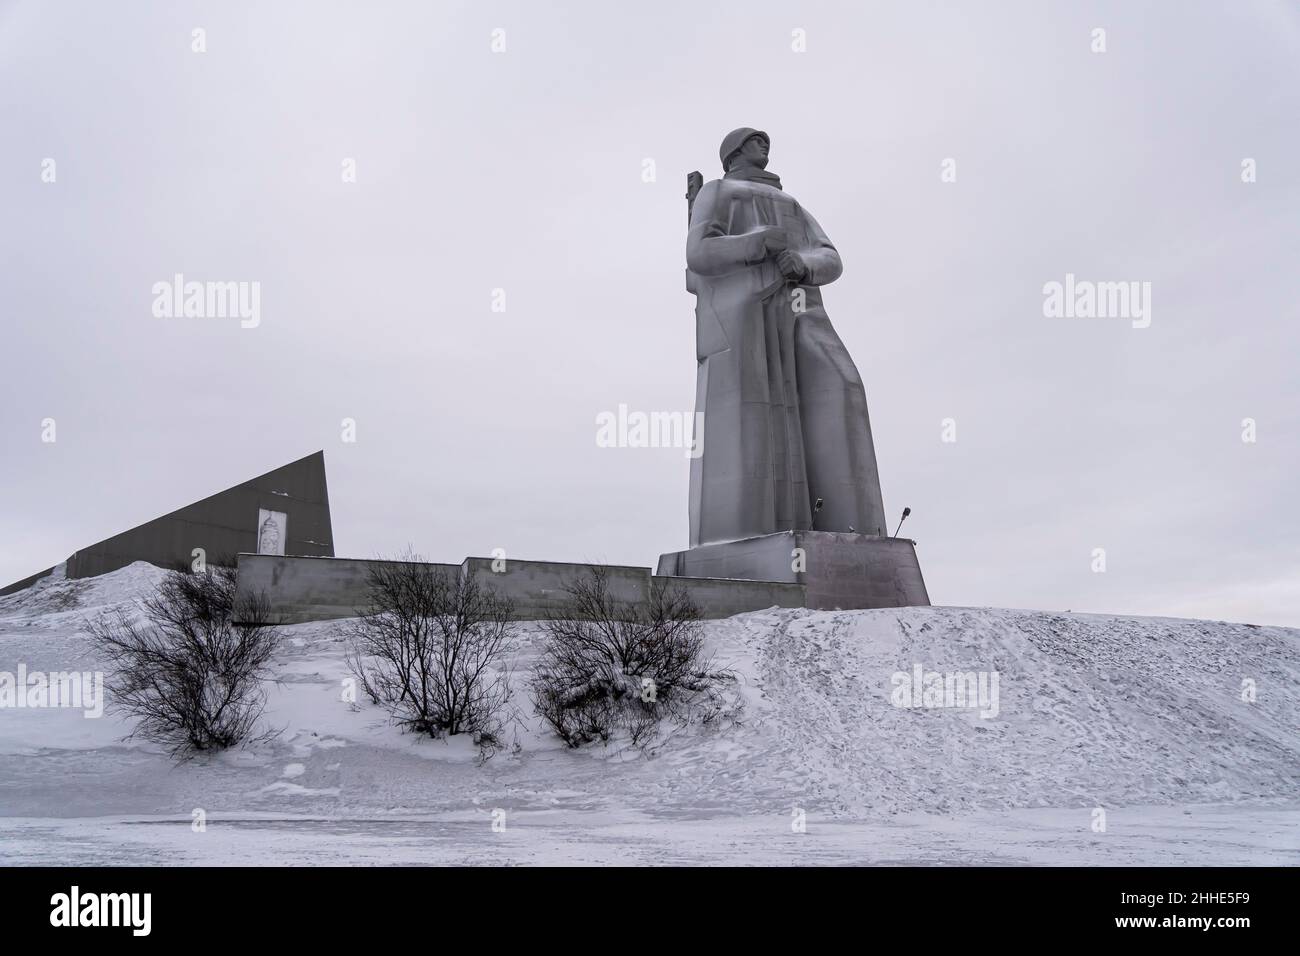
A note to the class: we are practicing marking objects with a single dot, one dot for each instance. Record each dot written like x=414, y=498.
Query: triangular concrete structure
x=285, y=511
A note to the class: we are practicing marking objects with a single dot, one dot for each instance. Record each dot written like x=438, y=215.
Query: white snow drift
x=1121, y=713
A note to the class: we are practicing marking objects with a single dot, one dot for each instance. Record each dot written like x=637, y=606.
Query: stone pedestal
x=837, y=570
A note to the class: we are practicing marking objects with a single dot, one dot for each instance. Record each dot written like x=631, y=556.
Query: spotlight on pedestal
x=906, y=512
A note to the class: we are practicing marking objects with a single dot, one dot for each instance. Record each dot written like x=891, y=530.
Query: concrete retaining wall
x=537, y=587
x=723, y=597
x=310, y=589
x=321, y=589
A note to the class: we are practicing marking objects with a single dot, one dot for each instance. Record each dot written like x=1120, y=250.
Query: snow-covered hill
x=1142, y=717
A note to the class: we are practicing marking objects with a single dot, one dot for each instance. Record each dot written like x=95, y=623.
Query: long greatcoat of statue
x=785, y=414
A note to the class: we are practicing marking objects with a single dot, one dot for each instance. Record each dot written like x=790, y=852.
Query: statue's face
x=754, y=152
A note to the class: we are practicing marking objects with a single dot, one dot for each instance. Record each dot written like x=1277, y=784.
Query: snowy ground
x=1142, y=717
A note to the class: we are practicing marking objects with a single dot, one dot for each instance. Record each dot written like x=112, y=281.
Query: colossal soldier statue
x=784, y=487
x=784, y=410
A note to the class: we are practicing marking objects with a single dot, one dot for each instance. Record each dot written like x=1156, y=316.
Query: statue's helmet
x=732, y=142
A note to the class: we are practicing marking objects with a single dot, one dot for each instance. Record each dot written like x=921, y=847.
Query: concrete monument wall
x=310, y=589
x=320, y=589
x=285, y=511
x=837, y=569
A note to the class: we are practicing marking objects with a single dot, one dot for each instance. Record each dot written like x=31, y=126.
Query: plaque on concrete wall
x=272, y=531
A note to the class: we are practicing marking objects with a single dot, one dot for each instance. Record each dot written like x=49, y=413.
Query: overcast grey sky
x=523, y=170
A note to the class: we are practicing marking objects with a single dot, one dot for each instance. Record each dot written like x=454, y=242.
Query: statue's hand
x=791, y=265
x=774, y=241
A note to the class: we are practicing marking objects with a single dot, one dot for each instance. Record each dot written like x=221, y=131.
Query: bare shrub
x=431, y=649
x=192, y=671
x=610, y=665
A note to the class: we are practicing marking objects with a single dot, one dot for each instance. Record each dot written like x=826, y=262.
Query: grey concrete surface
x=26, y=582
x=837, y=570
x=223, y=525
x=537, y=587
x=302, y=589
